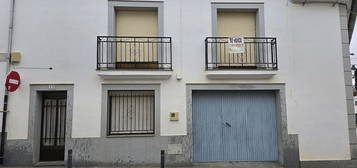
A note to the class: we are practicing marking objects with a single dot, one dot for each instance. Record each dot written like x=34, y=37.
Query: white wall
x=317, y=96
x=4, y=20
x=62, y=34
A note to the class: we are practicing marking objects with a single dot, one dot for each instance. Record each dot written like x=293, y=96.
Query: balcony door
x=232, y=23
x=135, y=50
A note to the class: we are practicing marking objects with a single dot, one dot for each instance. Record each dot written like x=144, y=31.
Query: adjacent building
x=207, y=81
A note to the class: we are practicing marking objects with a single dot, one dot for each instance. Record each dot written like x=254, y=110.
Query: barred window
x=131, y=112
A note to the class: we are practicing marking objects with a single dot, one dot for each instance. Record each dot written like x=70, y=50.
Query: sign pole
x=6, y=94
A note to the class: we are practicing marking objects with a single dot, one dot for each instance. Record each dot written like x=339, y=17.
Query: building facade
x=207, y=81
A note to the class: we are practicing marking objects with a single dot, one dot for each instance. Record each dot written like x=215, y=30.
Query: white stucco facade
x=62, y=35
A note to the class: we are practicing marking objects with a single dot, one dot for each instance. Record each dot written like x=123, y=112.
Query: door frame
x=280, y=93
x=35, y=114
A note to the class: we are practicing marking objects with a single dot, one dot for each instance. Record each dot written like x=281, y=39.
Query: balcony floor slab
x=135, y=74
x=240, y=74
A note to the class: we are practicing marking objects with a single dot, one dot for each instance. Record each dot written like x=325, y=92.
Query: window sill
x=135, y=74
x=240, y=74
x=131, y=136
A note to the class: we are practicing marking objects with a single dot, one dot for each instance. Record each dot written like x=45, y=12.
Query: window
x=235, y=23
x=131, y=112
x=136, y=50
x=137, y=22
x=232, y=23
x=136, y=39
x=239, y=21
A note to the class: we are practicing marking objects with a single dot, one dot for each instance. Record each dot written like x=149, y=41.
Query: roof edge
x=352, y=19
x=346, y=2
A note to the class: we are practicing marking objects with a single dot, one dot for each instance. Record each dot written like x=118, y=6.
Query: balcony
x=257, y=58
x=119, y=52
x=134, y=57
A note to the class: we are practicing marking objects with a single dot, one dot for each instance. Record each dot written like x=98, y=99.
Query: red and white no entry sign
x=12, y=81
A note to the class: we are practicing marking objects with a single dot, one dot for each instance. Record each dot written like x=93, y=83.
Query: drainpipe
x=6, y=95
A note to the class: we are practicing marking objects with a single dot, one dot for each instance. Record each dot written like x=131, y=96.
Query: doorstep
x=50, y=164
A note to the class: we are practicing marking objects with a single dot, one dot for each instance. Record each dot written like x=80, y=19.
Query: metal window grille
x=131, y=112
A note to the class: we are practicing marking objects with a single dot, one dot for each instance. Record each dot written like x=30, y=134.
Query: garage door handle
x=228, y=125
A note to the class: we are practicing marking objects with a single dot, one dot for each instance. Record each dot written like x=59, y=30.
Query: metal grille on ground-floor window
x=131, y=112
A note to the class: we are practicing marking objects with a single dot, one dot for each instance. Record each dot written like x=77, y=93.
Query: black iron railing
x=258, y=53
x=122, y=52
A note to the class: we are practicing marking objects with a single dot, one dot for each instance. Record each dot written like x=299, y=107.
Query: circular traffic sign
x=12, y=81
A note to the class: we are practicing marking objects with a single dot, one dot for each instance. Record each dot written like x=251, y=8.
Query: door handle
x=228, y=125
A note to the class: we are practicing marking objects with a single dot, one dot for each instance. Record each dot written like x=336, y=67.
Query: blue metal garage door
x=234, y=126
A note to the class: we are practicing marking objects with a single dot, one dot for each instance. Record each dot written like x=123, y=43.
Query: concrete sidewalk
x=200, y=165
